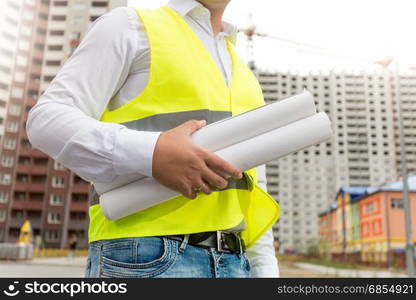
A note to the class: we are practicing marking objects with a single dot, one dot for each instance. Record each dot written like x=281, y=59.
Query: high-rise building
x=364, y=149
x=36, y=37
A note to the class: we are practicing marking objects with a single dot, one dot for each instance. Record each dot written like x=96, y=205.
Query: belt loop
x=239, y=241
x=184, y=243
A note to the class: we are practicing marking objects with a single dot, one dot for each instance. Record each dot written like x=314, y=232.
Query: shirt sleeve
x=65, y=124
x=261, y=255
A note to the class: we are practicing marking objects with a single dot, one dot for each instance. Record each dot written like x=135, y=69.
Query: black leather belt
x=223, y=241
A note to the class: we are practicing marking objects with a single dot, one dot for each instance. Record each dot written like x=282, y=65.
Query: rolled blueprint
x=247, y=154
x=238, y=128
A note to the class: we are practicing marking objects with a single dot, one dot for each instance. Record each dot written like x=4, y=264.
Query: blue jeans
x=145, y=257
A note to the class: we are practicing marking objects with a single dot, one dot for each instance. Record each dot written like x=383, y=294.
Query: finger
x=213, y=178
x=215, y=162
x=186, y=190
x=204, y=187
x=191, y=126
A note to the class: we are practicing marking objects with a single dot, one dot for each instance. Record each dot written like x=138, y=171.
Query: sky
x=350, y=34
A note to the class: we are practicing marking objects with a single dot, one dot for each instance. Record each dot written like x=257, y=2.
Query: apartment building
x=367, y=224
x=364, y=150
x=36, y=37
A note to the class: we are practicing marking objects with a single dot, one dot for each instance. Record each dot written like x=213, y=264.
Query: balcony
x=16, y=222
x=78, y=224
x=20, y=186
x=35, y=222
x=18, y=204
x=23, y=168
x=38, y=153
x=37, y=68
x=81, y=188
x=34, y=205
x=37, y=187
x=33, y=85
x=39, y=169
x=79, y=206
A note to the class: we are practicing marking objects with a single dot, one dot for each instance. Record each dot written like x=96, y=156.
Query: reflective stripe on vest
x=185, y=83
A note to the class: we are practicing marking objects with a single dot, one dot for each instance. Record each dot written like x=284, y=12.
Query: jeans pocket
x=146, y=257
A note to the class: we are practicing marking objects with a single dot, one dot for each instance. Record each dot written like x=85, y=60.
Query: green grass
x=330, y=263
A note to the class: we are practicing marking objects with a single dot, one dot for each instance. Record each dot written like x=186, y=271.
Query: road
x=44, y=267
x=64, y=267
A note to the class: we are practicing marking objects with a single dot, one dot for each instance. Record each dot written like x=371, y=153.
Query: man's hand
x=180, y=165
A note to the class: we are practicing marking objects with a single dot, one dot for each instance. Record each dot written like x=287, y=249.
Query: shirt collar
x=185, y=7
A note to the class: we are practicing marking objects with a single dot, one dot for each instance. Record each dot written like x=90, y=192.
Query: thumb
x=193, y=125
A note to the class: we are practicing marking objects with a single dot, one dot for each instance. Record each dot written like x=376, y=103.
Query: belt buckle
x=238, y=242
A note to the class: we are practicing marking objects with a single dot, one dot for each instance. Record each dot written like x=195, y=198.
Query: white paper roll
x=238, y=128
x=248, y=154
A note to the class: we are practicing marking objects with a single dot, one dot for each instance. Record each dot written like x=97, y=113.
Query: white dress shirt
x=108, y=69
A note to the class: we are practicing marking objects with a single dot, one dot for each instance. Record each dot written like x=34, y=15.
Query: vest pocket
x=150, y=256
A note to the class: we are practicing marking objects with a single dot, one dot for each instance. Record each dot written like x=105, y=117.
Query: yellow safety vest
x=184, y=84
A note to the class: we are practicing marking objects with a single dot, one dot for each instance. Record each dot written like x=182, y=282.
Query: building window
x=77, y=20
x=28, y=15
x=7, y=161
x=2, y=215
x=4, y=197
x=48, y=78
x=10, y=144
x=376, y=227
x=99, y=4
x=364, y=229
x=24, y=45
x=57, y=32
x=59, y=18
x=51, y=236
x=56, y=200
x=78, y=216
x=26, y=30
x=15, y=110
x=55, y=47
x=5, y=69
x=24, y=160
x=21, y=61
x=19, y=76
x=54, y=218
x=55, y=63
x=25, y=143
x=397, y=203
x=60, y=3
x=5, y=179
x=58, y=166
x=12, y=126
x=20, y=196
x=58, y=181
x=22, y=178
x=17, y=92
x=370, y=208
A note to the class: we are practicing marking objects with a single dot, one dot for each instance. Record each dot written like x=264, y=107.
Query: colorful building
x=367, y=224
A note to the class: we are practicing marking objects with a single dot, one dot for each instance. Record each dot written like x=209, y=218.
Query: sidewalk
x=59, y=261
x=56, y=267
x=347, y=272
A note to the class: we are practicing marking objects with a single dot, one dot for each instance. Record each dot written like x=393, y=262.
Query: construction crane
x=251, y=30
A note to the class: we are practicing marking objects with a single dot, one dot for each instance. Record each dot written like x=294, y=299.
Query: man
x=148, y=76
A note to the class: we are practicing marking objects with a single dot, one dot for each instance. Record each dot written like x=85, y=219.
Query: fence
x=12, y=251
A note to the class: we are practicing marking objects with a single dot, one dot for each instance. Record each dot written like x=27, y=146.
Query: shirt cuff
x=265, y=272
x=133, y=151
